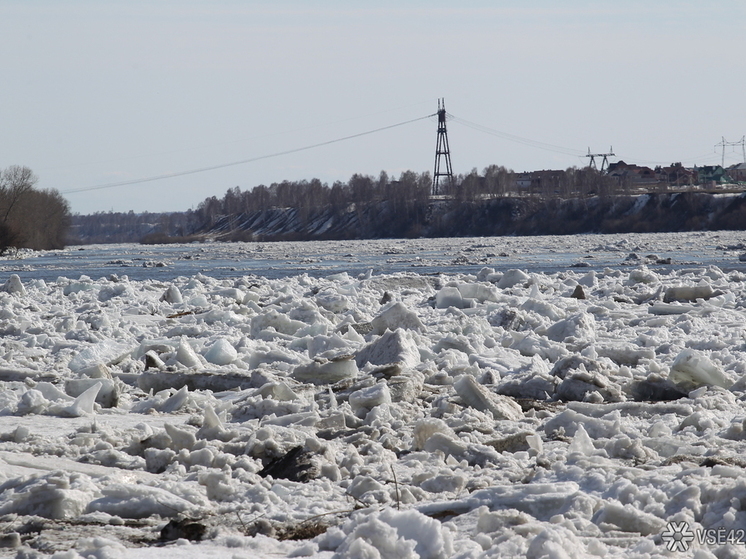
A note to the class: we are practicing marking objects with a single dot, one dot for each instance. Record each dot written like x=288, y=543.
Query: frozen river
x=591, y=406
x=424, y=256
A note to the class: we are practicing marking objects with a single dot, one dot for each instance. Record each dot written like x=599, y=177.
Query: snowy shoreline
x=507, y=413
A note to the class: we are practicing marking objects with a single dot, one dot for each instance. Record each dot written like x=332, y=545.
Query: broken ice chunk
x=477, y=291
x=92, y=360
x=153, y=361
x=180, y=437
x=323, y=371
x=221, y=352
x=230, y=293
x=14, y=285
x=51, y=392
x=688, y=293
x=57, y=495
x=172, y=295
x=691, y=369
x=175, y=401
x=588, y=280
x=186, y=355
x=449, y=296
x=534, y=441
x=582, y=442
x=333, y=301
x=83, y=404
x=141, y=501
x=628, y=519
x=449, y=445
x=392, y=533
x=392, y=347
x=365, y=399
x=426, y=428
x=396, y=316
x=32, y=402
x=107, y=395
x=580, y=326
x=512, y=278
x=669, y=308
x=478, y=397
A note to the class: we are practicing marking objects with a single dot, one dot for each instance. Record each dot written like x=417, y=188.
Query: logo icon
x=677, y=536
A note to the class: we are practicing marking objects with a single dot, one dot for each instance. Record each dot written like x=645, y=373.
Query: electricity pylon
x=723, y=143
x=442, y=150
x=604, y=162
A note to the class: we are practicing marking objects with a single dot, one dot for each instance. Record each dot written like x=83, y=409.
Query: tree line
x=383, y=205
x=131, y=227
x=29, y=217
x=407, y=197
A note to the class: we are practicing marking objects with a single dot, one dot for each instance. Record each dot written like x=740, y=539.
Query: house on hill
x=547, y=181
x=737, y=172
x=634, y=175
x=676, y=175
x=711, y=175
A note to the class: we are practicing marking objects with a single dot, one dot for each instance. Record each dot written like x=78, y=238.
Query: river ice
x=491, y=411
x=546, y=254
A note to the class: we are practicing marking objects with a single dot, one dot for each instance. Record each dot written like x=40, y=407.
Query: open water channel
x=424, y=256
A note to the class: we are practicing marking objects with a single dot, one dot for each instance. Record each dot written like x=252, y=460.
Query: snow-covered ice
x=396, y=415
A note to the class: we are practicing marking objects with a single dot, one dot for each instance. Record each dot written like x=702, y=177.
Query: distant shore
x=644, y=213
x=653, y=212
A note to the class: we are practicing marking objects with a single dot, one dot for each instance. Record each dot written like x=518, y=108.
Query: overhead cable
x=518, y=139
x=241, y=162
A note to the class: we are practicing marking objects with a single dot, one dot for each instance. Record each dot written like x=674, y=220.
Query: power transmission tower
x=723, y=143
x=442, y=150
x=604, y=162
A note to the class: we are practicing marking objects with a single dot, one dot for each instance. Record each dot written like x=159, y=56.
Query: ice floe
x=385, y=415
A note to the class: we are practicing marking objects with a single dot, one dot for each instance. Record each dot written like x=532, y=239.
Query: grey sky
x=100, y=92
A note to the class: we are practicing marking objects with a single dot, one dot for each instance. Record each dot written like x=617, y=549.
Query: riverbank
x=645, y=213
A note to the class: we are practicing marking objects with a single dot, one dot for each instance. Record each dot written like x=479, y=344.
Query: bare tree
x=37, y=219
x=15, y=181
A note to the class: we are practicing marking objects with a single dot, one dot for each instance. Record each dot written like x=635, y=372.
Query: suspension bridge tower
x=442, y=151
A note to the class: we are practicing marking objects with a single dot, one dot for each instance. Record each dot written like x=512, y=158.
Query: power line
x=576, y=153
x=705, y=156
x=481, y=128
x=229, y=142
x=518, y=139
x=243, y=161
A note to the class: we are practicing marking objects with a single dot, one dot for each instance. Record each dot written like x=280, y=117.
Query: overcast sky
x=95, y=92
